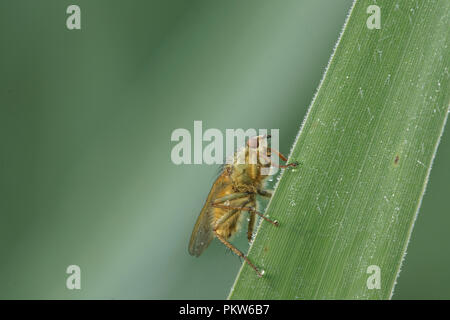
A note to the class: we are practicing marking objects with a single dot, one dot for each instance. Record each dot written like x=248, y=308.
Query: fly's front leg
x=268, y=159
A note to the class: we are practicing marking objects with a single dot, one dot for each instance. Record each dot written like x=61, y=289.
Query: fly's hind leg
x=238, y=252
x=223, y=219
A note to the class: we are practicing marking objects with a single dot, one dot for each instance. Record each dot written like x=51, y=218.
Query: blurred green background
x=85, y=123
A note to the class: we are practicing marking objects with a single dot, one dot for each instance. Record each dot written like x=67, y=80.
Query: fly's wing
x=202, y=234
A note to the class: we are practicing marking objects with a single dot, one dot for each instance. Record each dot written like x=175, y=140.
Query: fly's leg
x=232, y=212
x=223, y=219
x=249, y=209
x=230, y=197
x=238, y=252
x=251, y=225
x=280, y=155
x=293, y=164
x=264, y=193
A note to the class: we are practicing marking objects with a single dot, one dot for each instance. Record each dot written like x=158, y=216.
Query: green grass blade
x=365, y=152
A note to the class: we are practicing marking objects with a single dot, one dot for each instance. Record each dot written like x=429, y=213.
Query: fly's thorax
x=246, y=169
x=246, y=178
